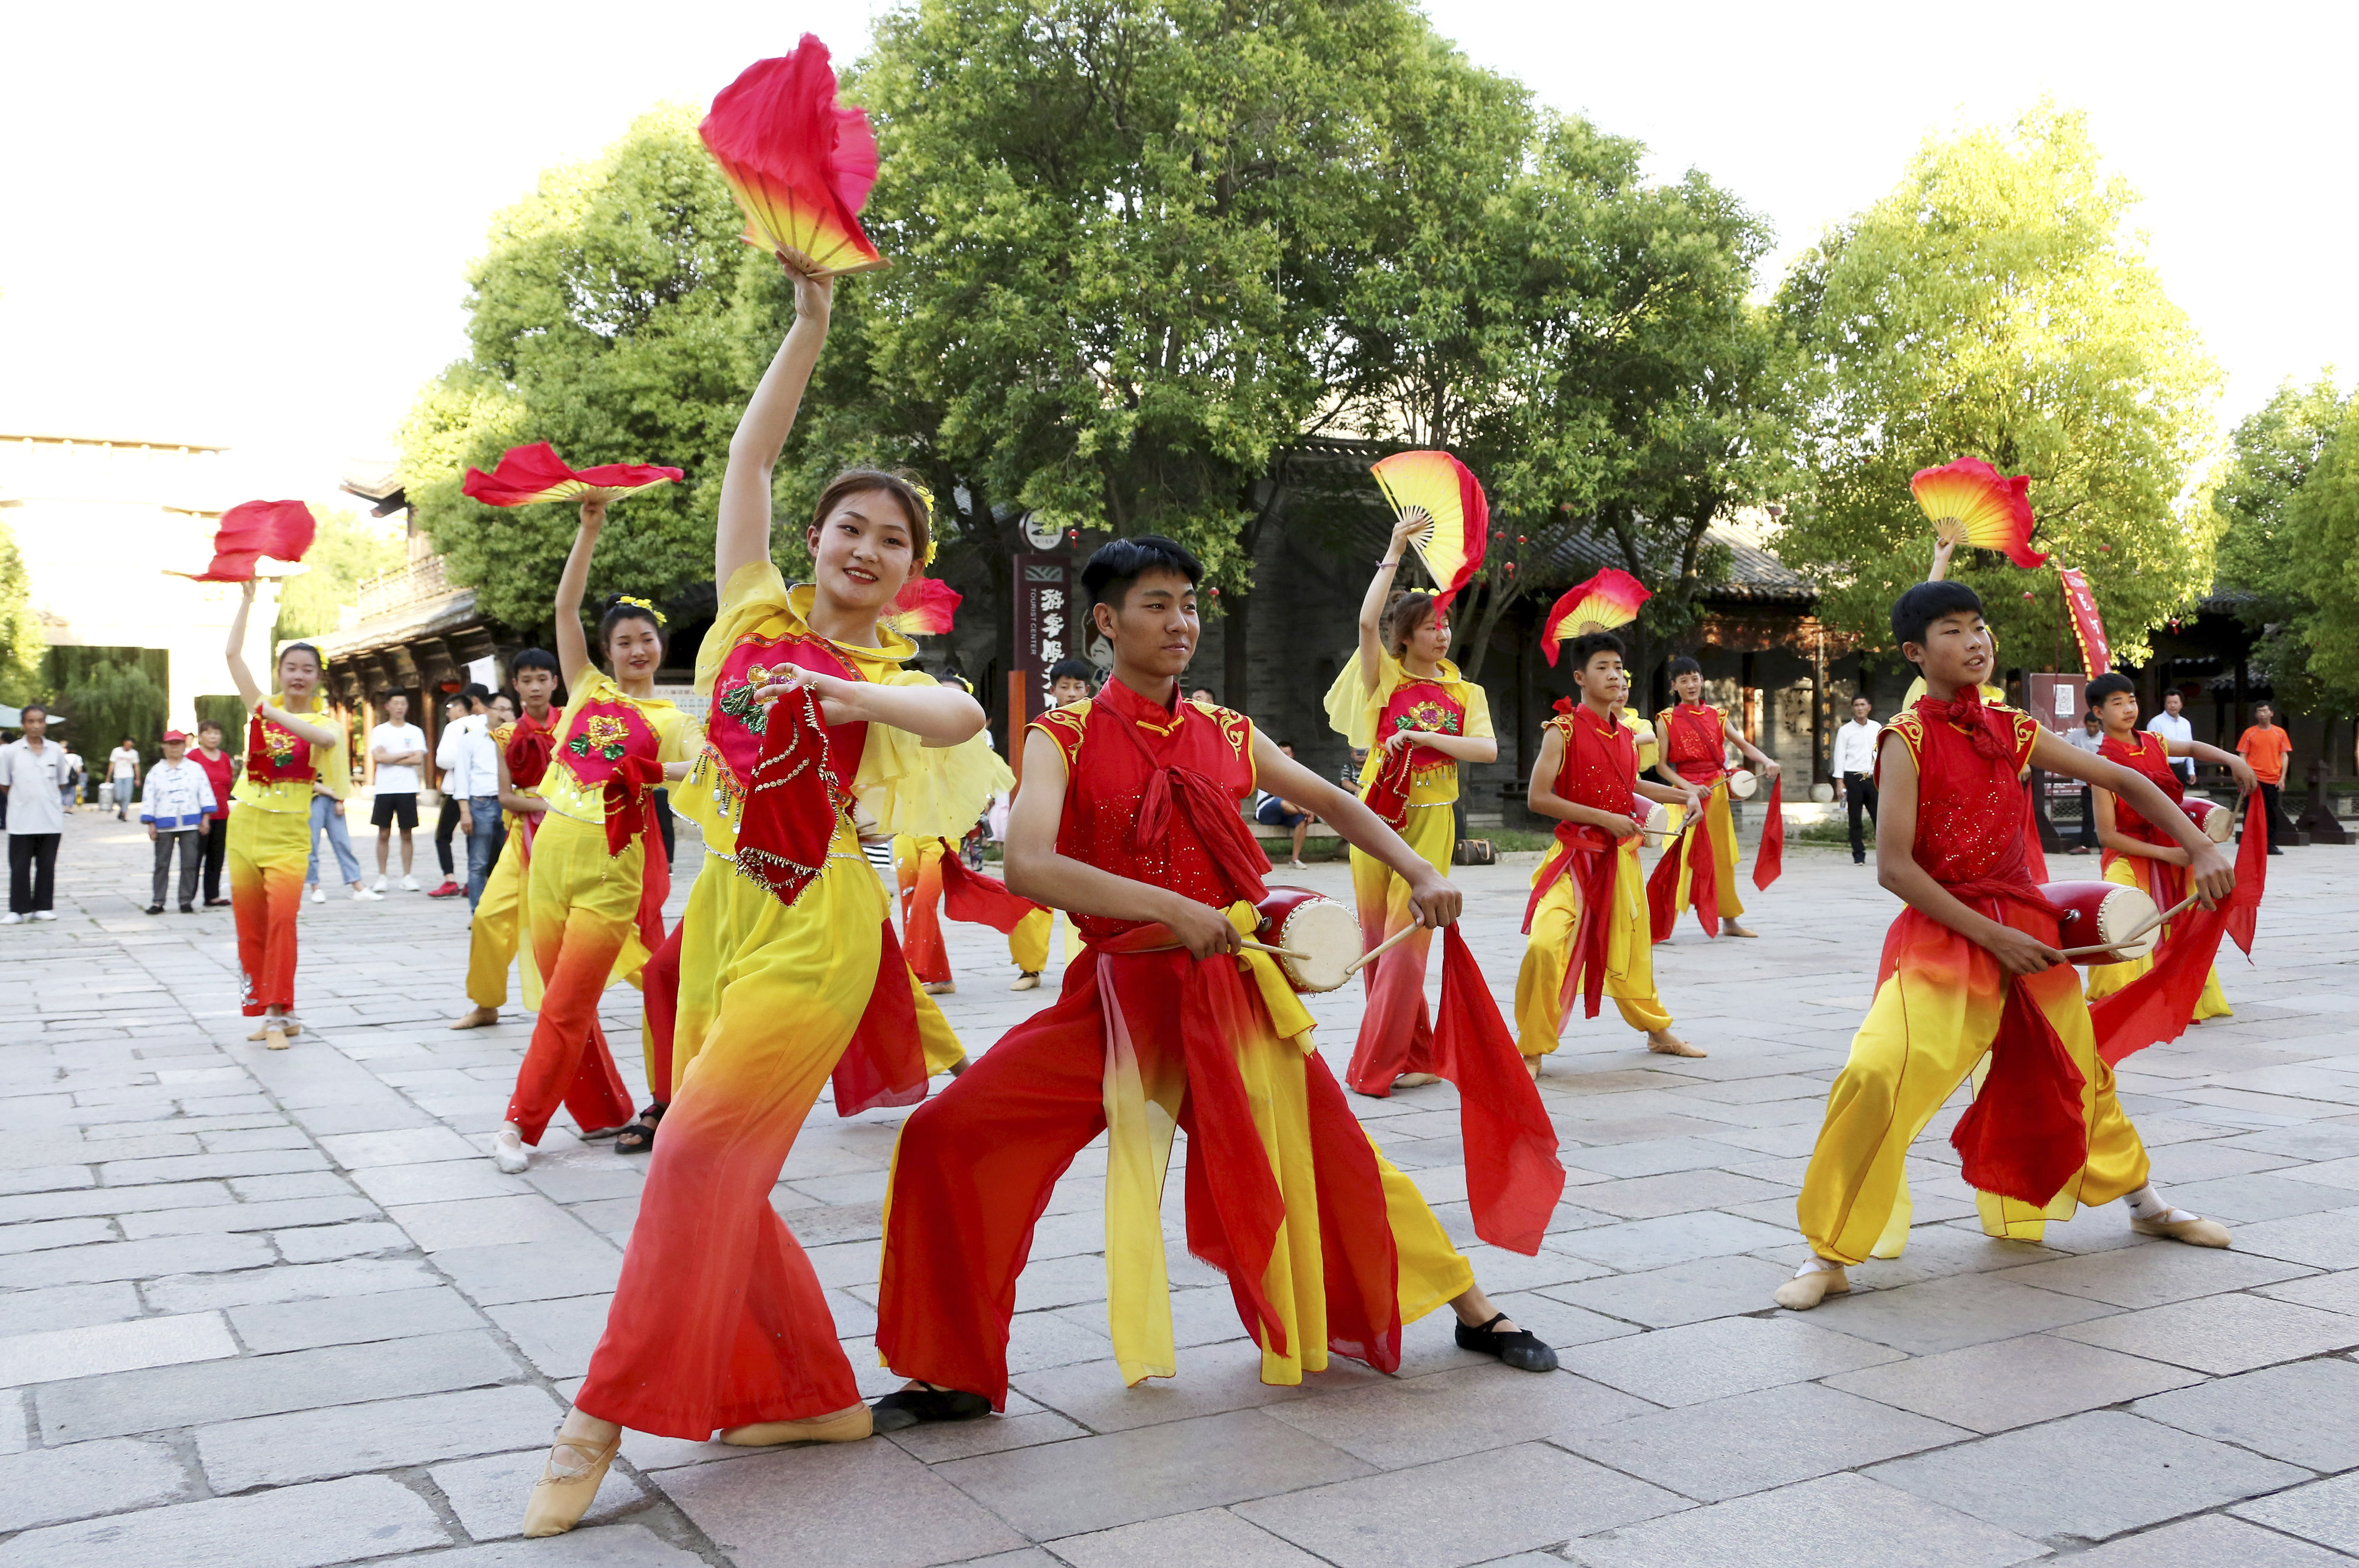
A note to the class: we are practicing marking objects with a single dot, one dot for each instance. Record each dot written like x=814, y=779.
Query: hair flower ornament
x=642, y=604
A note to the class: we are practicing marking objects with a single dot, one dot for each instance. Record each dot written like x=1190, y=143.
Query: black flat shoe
x=155, y=908
x=638, y=1137
x=911, y=1407
x=1519, y=1348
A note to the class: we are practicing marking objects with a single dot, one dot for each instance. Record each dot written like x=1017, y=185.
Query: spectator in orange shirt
x=2268, y=748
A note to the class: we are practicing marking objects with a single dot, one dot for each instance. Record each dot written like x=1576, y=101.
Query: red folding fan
x=1971, y=503
x=1608, y=600
x=799, y=163
x=924, y=607
x=535, y=473
x=1457, y=514
x=282, y=530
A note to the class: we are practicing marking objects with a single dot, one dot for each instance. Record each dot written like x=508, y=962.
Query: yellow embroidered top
x=597, y=730
x=899, y=784
x=331, y=765
x=1443, y=703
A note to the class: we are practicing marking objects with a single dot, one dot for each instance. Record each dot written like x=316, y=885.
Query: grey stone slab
x=167, y=1397
x=854, y=1505
x=2326, y=1512
x=46, y=1178
x=2221, y=1334
x=486, y=1222
x=557, y=1335
x=2154, y=1275
x=1712, y=1360
x=40, y=1235
x=275, y=1326
x=294, y=1527
x=964, y=1440
x=193, y=1167
x=52, y=1486
x=1843, y=1521
x=71, y=1306
x=323, y=1243
x=2306, y=1413
x=1648, y=1157
x=2013, y=1382
x=2320, y=1142
x=57, y=1354
x=1096, y=1482
x=622, y=1546
x=1687, y=1292
x=2208, y=1542
x=1212, y=1380
x=534, y=1270
x=345, y=1439
x=352, y=1277
x=488, y=1494
x=443, y=1181
x=1674, y=1238
x=2321, y=1241
x=2336, y=1292
x=295, y=1184
x=2244, y=1200
x=1496, y=1269
x=1941, y=1251
x=2150, y=1473
x=133, y=1260
x=222, y=1218
x=1416, y=1420
x=82, y=1200
x=1680, y=1192
x=1431, y=1517
x=1184, y=1541
x=408, y=1145
x=1752, y=1443
x=1950, y=1313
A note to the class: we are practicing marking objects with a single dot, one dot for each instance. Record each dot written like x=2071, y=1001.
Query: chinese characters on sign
x=1045, y=626
x=2088, y=626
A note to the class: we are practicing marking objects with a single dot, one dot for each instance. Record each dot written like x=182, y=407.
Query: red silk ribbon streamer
x=629, y=798
x=1387, y=792
x=529, y=751
x=1211, y=811
x=792, y=800
x=2159, y=1004
x=1593, y=865
x=978, y=897
x=883, y=1064
x=1769, y=857
x=2024, y=1135
x=1703, y=883
x=1513, y=1175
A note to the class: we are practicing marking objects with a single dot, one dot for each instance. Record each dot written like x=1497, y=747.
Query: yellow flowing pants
x=1629, y=957
x=496, y=934
x=1719, y=824
x=2107, y=978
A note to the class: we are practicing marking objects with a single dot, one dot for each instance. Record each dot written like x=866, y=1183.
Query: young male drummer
x=1691, y=734
x=1971, y=966
x=1588, y=917
x=1128, y=820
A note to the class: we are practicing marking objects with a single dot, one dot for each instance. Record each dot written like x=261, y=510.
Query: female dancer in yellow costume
x=719, y=1320
x=1402, y=694
x=292, y=740
x=616, y=737
x=2140, y=854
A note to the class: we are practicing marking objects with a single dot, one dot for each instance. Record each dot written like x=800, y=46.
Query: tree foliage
x=109, y=701
x=21, y=643
x=2289, y=495
x=346, y=553
x=1995, y=305
x=617, y=317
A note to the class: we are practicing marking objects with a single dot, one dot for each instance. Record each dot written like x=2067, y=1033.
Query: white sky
x=246, y=224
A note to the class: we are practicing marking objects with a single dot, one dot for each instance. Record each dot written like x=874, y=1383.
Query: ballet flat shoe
x=1532, y=1066
x=285, y=1025
x=1416, y=1080
x=560, y=1498
x=1676, y=1048
x=848, y=1426
x=509, y=1154
x=1804, y=1291
x=1027, y=981
x=2197, y=1232
x=274, y=1040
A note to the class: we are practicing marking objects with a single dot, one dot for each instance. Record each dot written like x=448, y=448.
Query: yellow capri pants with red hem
x=1930, y=1026
x=497, y=929
x=584, y=932
x=1629, y=957
x=268, y=853
x=2104, y=979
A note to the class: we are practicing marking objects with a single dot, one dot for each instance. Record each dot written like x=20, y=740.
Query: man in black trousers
x=1854, y=763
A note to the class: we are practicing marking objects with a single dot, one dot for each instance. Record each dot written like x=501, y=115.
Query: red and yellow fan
x=1971, y=503
x=1457, y=513
x=282, y=530
x=526, y=475
x=924, y=607
x=1608, y=600
x=799, y=163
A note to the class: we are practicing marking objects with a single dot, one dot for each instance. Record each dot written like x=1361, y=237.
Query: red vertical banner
x=1045, y=624
x=2088, y=626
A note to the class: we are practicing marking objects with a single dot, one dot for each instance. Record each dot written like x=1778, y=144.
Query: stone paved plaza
x=277, y=1311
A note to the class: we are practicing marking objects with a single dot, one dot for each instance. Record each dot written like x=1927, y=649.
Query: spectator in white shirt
x=121, y=776
x=174, y=804
x=72, y=786
x=1856, y=766
x=32, y=771
x=456, y=709
x=398, y=749
x=471, y=776
x=2171, y=724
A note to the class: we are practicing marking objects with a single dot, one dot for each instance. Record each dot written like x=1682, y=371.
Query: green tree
x=347, y=553
x=617, y=317
x=109, y=701
x=1996, y=305
x=21, y=643
x=2267, y=559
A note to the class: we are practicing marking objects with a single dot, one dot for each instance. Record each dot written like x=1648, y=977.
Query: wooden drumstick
x=1280, y=952
x=1378, y=951
x=2145, y=926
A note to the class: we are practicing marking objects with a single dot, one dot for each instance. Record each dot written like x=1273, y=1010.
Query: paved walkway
x=274, y=1311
